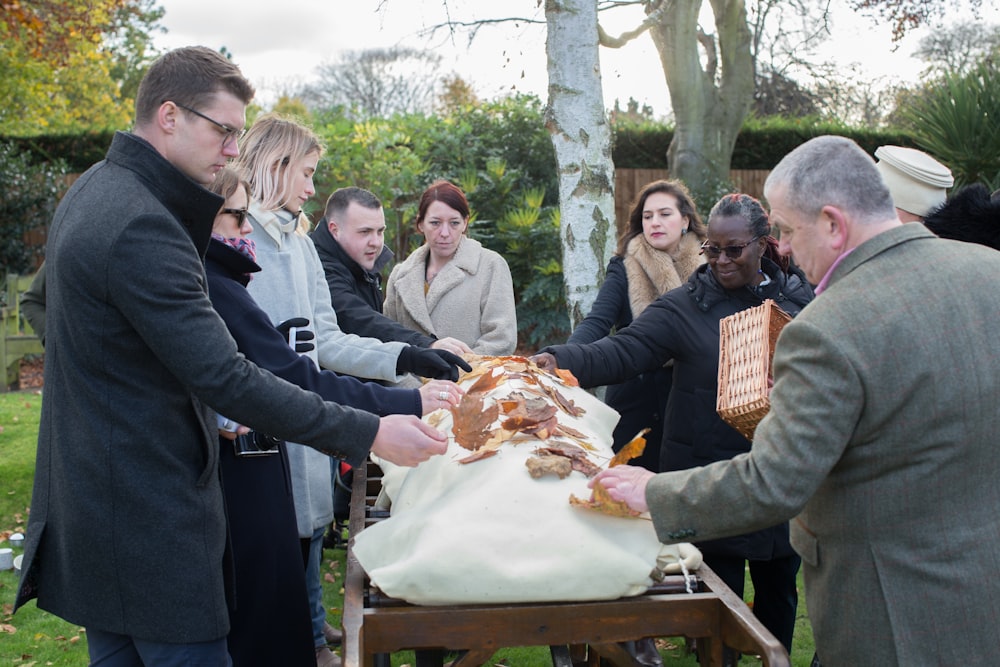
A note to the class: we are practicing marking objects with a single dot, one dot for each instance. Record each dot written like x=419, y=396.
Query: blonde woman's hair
x=270, y=146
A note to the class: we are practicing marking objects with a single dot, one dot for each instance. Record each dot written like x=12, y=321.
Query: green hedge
x=760, y=145
x=78, y=151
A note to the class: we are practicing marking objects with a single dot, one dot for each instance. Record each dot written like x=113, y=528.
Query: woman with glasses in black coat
x=743, y=270
x=270, y=615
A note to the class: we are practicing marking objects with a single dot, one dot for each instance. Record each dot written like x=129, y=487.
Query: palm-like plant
x=958, y=122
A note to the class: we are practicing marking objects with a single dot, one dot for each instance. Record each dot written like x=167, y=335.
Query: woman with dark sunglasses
x=743, y=269
x=271, y=621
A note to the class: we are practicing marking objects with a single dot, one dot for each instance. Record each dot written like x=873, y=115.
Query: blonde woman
x=452, y=285
x=279, y=157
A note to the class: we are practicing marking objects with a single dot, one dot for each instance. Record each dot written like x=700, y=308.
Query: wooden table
x=579, y=633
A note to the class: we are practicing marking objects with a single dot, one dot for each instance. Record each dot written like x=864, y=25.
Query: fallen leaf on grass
x=6, y=628
x=329, y=578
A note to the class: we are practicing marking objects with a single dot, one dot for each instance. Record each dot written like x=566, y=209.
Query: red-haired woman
x=452, y=285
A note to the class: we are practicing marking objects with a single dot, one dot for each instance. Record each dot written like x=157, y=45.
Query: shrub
x=958, y=122
x=28, y=197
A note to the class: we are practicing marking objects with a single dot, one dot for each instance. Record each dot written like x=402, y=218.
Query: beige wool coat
x=471, y=299
x=882, y=437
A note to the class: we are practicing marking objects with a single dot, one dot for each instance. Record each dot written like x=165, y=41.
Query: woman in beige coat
x=452, y=285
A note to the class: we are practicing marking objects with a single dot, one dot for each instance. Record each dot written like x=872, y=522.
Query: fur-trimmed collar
x=653, y=272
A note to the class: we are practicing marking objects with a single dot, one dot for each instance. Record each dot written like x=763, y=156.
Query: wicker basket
x=746, y=347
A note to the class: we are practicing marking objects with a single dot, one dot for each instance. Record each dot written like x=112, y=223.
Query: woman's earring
x=684, y=231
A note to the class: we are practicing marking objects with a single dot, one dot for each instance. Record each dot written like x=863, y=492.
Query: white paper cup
x=6, y=559
x=16, y=540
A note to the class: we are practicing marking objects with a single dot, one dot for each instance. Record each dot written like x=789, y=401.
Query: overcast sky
x=281, y=43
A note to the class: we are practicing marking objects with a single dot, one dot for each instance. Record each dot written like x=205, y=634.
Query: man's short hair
x=338, y=202
x=832, y=171
x=188, y=76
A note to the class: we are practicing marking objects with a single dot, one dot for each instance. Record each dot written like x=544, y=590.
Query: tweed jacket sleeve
x=790, y=457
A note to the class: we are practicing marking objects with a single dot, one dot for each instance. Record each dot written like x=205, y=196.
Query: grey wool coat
x=128, y=531
x=882, y=437
x=471, y=299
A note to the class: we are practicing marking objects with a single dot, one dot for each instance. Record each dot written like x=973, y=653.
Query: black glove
x=302, y=335
x=428, y=363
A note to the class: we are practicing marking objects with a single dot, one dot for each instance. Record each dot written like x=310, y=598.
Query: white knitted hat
x=917, y=182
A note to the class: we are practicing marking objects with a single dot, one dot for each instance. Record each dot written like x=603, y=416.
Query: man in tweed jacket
x=881, y=440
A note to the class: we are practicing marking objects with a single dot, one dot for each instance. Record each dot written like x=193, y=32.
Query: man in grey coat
x=127, y=535
x=881, y=439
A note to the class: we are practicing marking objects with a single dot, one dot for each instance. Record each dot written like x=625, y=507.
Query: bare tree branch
x=617, y=42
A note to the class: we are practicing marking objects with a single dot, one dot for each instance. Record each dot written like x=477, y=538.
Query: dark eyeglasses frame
x=231, y=133
x=732, y=251
x=240, y=213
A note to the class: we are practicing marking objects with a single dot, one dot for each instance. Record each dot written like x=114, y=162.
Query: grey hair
x=832, y=171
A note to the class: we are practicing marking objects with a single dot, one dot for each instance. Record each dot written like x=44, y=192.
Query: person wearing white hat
x=917, y=182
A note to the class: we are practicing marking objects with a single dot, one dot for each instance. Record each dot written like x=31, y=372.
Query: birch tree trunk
x=581, y=135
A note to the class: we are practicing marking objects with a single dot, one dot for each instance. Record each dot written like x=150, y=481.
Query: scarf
x=277, y=222
x=653, y=272
x=242, y=245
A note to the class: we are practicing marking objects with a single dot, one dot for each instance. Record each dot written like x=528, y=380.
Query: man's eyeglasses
x=732, y=251
x=240, y=213
x=230, y=133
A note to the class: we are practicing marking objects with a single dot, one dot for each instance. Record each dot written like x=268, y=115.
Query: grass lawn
x=33, y=637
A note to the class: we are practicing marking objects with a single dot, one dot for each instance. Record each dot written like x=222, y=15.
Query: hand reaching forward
x=438, y=394
x=453, y=345
x=430, y=363
x=407, y=441
x=545, y=361
x=625, y=484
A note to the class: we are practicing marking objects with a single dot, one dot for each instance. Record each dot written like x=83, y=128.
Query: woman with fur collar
x=452, y=285
x=658, y=251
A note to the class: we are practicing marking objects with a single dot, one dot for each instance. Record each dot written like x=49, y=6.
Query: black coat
x=356, y=294
x=128, y=527
x=970, y=215
x=640, y=400
x=271, y=619
x=262, y=343
x=683, y=325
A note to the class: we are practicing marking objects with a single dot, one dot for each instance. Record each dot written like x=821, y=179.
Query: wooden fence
x=628, y=182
